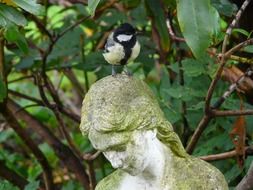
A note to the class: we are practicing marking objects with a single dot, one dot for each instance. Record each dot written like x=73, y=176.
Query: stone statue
x=123, y=120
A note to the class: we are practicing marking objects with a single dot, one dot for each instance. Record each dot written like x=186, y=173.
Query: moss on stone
x=114, y=107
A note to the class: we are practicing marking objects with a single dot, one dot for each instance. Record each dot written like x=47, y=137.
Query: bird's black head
x=126, y=29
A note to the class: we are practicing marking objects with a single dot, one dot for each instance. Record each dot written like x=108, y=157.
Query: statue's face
x=131, y=155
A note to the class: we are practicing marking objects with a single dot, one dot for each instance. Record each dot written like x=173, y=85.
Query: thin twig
x=3, y=75
x=179, y=51
x=92, y=175
x=47, y=81
x=83, y=61
x=199, y=130
x=67, y=3
x=108, y=4
x=238, y=47
x=207, y=117
x=89, y=156
x=2, y=40
x=63, y=110
x=59, y=82
x=42, y=92
x=232, y=88
x=69, y=114
x=47, y=172
x=62, y=151
x=101, y=42
x=218, y=113
x=18, y=94
x=53, y=92
x=76, y=84
x=226, y=155
x=247, y=182
x=171, y=32
x=71, y=27
x=25, y=107
x=13, y=177
x=41, y=26
x=55, y=108
x=66, y=134
x=223, y=58
x=21, y=78
x=59, y=106
x=241, y=59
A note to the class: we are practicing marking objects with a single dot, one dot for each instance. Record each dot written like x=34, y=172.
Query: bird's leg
x=113, y=71
x=127, y=72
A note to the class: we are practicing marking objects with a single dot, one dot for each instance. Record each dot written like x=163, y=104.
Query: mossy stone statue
x=122, y=119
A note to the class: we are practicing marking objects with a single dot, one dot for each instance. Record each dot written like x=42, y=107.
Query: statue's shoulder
x=198, y=174
x=111, y=182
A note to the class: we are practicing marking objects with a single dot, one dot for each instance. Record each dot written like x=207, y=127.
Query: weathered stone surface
x=122, y=118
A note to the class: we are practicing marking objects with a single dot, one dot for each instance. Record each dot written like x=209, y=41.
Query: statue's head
x=121, y=114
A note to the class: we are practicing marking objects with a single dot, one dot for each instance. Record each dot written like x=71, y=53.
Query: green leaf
x=12, y=34
x=232, y=173
x=164, y=84
x=160, y=22
x=25, y=63
x=50, y=154
x=177, y=92
x=131, y=3
x=6, y=134
x=248, y=49
x=30, y=6
x=171, y=114
x=92, y=61
x=225, y=7
x=244, y=32
x=111, y=19
x=198, y=106
x=198, y=21
x=193, y=68
x=5, y=185
x=74, y=185
x=11, y=14
x=32, y=186
x=69, y=185
x=3, y=91
x=34, y=172
x=3, y=21
x=92, y=5
x=207, y=146
x=183, y=93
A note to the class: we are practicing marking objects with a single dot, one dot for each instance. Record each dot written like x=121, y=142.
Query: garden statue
x=123, y=120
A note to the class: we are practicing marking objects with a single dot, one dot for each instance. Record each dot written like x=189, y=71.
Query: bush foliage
x=51, y=53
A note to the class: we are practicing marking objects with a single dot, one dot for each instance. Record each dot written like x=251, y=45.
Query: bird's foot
x=127, y=72
x=113, y=71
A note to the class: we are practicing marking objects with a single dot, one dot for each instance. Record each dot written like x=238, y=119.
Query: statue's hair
x=124, y=104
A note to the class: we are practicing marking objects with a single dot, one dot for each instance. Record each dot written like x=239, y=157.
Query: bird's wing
x=109, y=43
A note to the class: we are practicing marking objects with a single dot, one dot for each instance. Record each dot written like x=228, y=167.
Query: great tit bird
x=121, y=46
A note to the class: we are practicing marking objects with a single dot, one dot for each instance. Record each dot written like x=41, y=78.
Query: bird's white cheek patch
x=124, y=37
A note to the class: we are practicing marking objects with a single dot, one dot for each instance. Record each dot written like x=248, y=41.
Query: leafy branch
x=207, y=117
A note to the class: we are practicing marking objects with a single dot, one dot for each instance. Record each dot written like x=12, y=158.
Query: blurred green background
x=53, y=54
